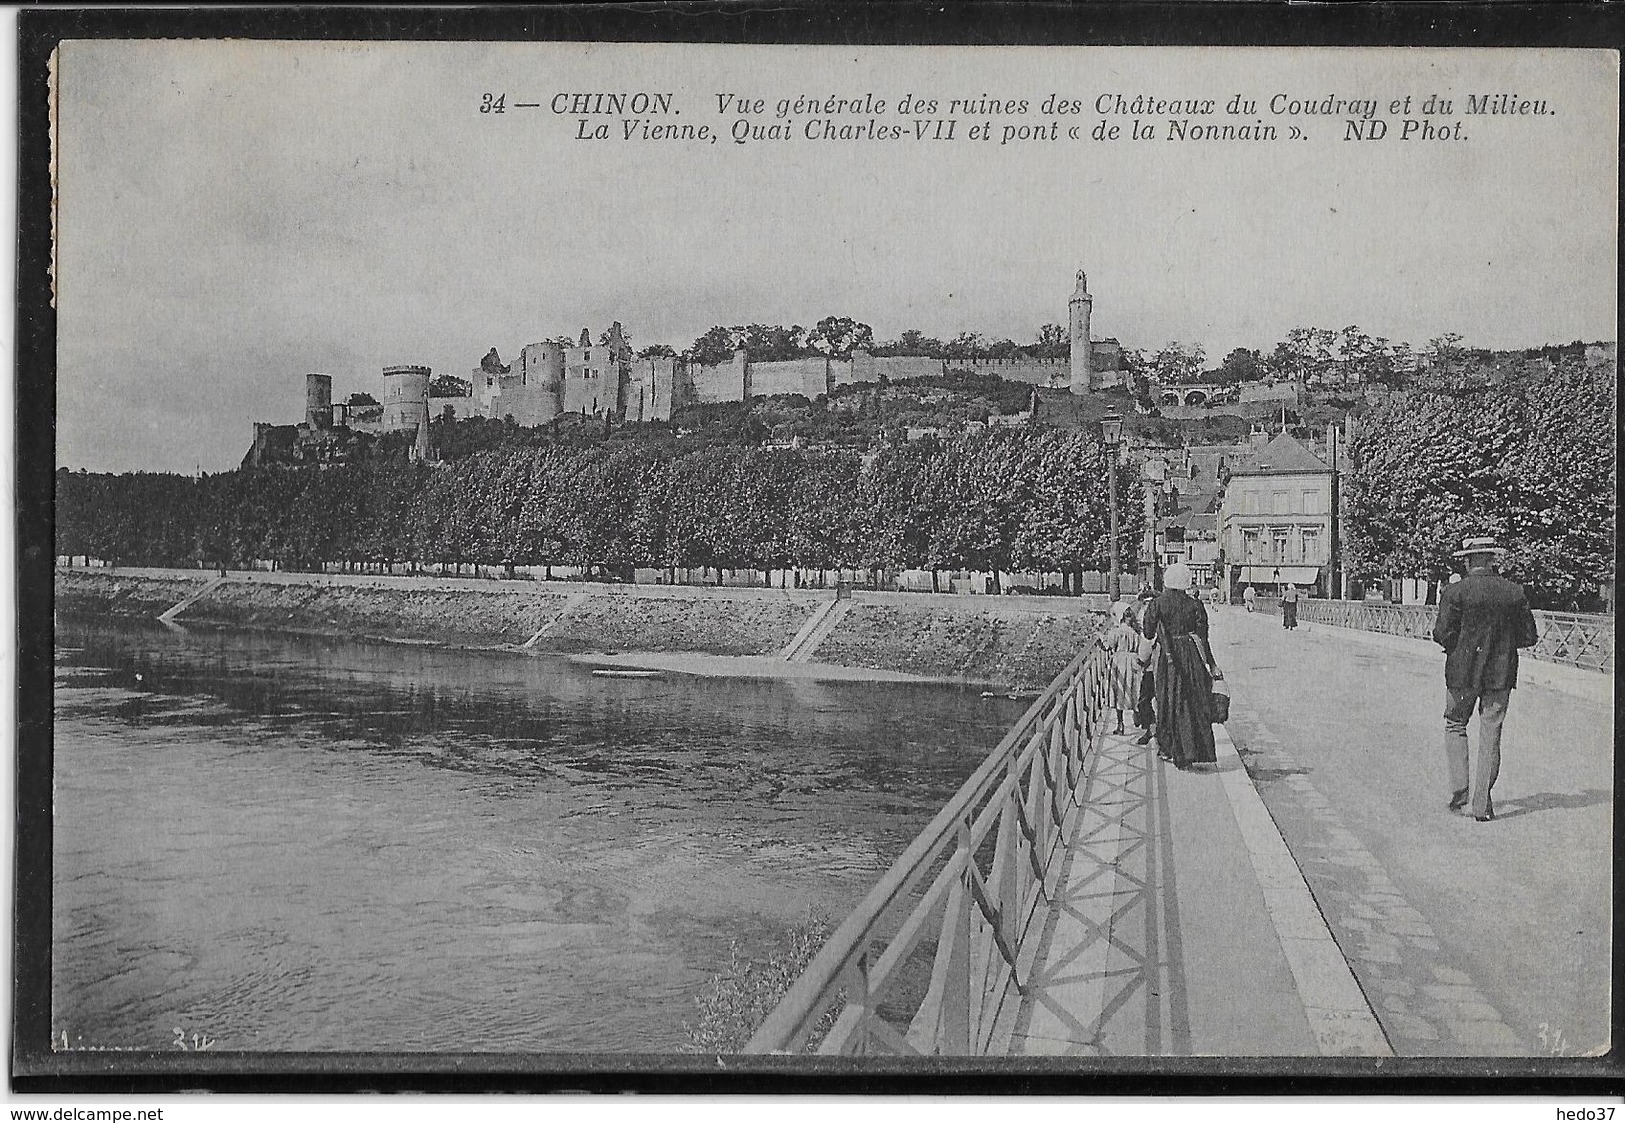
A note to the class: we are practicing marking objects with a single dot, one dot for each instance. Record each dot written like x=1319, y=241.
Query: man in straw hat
x=1483, y=620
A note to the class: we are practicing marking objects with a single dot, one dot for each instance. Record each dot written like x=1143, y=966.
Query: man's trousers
x=1492, y=711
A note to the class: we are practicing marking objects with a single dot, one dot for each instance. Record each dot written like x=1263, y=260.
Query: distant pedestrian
x=1289, y=606
x=1483, y=620
x=1122, y=642
x=1249, y=597
x=1177, y=623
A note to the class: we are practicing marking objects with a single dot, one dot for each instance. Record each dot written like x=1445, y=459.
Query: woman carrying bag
x=1177, y=623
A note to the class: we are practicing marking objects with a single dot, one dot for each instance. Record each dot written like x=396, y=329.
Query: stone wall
x=111, y=593
x=865, y=367
x=702, y=385
x=796, y=376
x=980, y=642
x=716, y=625
x=533, y=403
x=1016, y=641
x=1038, y=372
x=462, y=408
x=455, y=616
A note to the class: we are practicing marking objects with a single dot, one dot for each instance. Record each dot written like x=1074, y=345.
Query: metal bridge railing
x=987, y=866
x=1577, y=639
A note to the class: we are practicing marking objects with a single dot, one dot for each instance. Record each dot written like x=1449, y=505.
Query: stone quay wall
x=1011, y=641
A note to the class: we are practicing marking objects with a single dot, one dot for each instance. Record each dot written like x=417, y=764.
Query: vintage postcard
x=782, y=557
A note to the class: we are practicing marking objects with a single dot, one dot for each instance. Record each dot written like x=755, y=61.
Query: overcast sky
x=234, y=215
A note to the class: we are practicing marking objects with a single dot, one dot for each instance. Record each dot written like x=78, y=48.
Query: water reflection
x=304, y=843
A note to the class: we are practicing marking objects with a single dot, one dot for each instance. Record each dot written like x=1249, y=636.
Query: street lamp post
x=1111, y=431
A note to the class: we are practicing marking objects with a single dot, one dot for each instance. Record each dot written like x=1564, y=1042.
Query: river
x=269, y=842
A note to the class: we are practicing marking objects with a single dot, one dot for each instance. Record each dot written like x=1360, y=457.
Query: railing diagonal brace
x=990, y=912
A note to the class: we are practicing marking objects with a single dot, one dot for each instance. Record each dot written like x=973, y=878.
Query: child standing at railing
x=1122, y=641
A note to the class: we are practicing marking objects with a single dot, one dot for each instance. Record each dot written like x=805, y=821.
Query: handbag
x=1219, y=700
x=1219, y=694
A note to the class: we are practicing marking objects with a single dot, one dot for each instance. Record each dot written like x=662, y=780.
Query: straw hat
x=1177, y=576
x=1121, y=609
x=1484, y=545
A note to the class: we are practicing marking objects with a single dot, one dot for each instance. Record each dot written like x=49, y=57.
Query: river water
x=289, y=843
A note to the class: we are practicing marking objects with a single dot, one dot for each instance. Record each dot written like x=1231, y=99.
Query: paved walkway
x=1472, y=938
x=1311, y=895
x=1183, y=928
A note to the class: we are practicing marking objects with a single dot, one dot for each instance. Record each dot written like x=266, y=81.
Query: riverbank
x=1015, y=642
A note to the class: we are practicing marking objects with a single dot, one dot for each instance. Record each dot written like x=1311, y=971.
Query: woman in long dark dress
x=1184, y=685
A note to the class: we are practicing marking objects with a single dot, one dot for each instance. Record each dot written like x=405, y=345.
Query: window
x=1278, y=503
x=1311, y=544
x=1311, y=501
x=1249, y=545
x=1278, y=537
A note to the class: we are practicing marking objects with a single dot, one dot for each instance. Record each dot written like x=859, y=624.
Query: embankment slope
x=1009, y=641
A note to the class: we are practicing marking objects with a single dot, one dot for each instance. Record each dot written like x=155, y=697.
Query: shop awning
x=1270, y=574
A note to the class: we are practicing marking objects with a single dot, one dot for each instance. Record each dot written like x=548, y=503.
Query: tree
x=657, y=351
x=1304, y=355
x=1449, y=366
x=450, y=386
x=1178, y=363
x=1241, y=365
x=1053, y=342
x=964, y=347
x=913, y=343
x=1362, y=358
x=839, y=336
x=716, y=346
x=1531, y=461
x=771, y=343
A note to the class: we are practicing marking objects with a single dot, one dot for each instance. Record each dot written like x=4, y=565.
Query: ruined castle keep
x=604, y=379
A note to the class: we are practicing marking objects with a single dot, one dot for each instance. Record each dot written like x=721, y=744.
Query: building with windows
x=1190, y=537
x=1276, y=521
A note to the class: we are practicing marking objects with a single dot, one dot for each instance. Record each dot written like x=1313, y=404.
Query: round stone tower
x=318, y=400
x=542, y=366
x=1078, y=325
x=406, y=396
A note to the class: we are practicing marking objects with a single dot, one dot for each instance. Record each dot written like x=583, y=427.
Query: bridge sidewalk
x=1183, y=927
x=1471, y=939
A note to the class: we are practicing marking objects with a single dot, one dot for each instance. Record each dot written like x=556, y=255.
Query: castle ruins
x=550, y=380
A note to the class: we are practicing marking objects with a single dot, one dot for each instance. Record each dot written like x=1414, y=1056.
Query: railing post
x=858, y=994
x=1036, y=818
x=956, y=997
x=1056, y=775
x=1012, y=871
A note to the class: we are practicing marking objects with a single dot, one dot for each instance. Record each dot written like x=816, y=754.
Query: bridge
x=1188, y=394
x=1309, y=895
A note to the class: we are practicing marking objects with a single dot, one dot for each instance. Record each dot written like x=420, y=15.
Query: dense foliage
x=739, y=998
x=1531, y=460
x=1022, y=500
x=840, y=335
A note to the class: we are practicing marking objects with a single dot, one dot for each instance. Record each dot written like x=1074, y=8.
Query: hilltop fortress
x=550, y=380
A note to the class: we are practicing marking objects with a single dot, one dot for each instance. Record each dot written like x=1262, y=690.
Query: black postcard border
x=34, y=1068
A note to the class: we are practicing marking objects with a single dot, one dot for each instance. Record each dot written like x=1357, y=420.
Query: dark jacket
x=1173, y=613
x=1483, y=620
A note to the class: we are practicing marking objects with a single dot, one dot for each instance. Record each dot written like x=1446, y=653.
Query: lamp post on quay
x=1111, y=432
